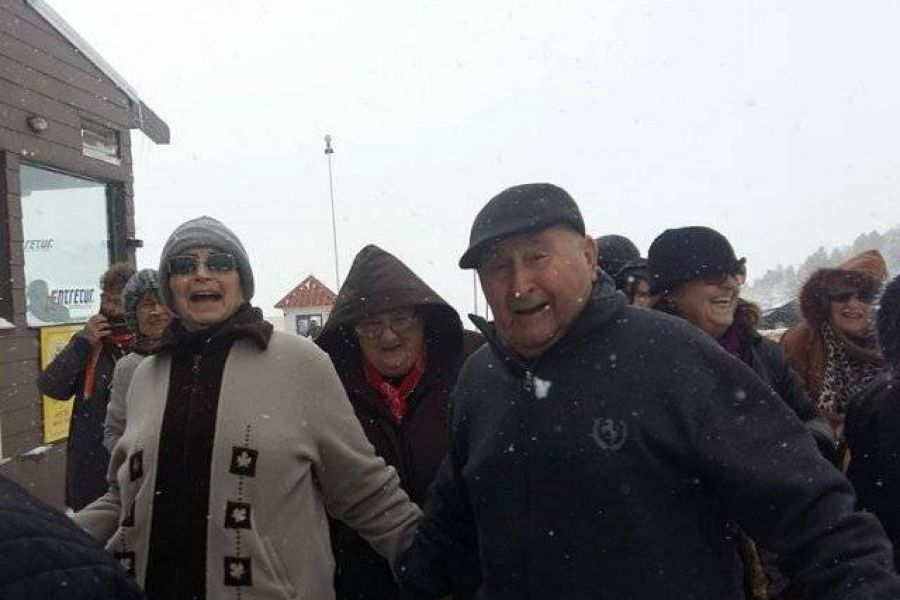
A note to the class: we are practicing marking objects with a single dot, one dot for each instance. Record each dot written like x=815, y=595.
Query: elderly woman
x=397, y=347
x=621, y=259
x=834, y=347
x=695, y=275
x=238, y=444
x=147, y=318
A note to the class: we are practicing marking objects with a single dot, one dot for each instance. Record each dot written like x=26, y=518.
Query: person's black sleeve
x=788, y=384
x=446, y=541
x=758, y=459
x=60, y=379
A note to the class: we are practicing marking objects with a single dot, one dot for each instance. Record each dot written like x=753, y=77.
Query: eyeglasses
x=398, y=323
x=865, y=296
x=218, y=262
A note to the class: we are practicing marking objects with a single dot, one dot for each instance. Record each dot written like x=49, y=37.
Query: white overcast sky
x=775, y=122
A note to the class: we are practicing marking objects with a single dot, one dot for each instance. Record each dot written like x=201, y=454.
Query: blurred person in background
x=873, y=427
x=147, y=318
x=620, y=259
x=239, y=442
x=84, y=368
x=397, y=346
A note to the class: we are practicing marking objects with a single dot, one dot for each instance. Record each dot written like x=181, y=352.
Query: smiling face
x=392, y=340
x=537, y=284
x=203, y=297
x=851, y=315
x=709, y=303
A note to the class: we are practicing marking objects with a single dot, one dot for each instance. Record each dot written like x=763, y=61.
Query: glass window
x=64, y=224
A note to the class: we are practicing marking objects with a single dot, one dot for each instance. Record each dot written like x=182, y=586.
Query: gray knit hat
x=139, y=284
x=199, y=232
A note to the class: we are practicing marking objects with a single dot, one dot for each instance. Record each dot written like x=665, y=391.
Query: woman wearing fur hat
x=833, y=347
x=873, y=428
x=239, y=443
x=147, y=318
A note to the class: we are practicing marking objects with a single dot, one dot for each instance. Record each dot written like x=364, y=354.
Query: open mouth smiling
x=527, y=312
x=205, y=296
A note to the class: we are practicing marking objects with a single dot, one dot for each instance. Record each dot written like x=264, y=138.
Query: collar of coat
x=247, y=322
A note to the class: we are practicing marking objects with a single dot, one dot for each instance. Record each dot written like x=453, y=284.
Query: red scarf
x=395, y=397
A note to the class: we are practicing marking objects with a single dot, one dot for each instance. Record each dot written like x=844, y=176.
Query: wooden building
x=307, y=306
x=66, y=213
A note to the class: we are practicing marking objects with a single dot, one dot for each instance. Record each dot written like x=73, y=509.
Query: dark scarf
x=395, y=396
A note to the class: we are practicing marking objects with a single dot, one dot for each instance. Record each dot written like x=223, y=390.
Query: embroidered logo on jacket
x=610, y=434
x=243, y=461
x=238, y=571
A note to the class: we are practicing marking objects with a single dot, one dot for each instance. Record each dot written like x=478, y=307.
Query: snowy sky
x=775, y=122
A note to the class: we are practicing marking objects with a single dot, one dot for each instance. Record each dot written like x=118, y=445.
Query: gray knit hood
x=199, y=232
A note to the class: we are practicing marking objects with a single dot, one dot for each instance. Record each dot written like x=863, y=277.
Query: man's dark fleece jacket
x=45, y=555
x=617, y=464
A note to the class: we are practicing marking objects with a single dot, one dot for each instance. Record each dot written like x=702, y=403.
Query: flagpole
x=328, y=152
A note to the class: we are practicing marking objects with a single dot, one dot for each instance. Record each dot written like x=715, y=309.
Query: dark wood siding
x=42, y=74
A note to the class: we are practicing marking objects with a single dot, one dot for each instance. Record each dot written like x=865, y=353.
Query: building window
x=64, y=222
x=100, y=142
x=308, y=325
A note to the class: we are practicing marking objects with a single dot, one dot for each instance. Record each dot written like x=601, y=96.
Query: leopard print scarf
x=844, y=377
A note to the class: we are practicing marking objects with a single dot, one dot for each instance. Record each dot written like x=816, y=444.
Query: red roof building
x=307, y=306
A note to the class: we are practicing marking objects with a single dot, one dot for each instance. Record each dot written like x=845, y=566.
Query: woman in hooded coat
x=833, y=347
x=397, y=347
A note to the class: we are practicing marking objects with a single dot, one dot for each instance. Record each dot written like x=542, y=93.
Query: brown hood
x=865, y=272
x=379, y=281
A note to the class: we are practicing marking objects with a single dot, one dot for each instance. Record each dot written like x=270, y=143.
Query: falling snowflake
x=541, y=388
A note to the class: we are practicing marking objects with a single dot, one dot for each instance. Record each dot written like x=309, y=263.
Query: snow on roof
x=310, y=292
x=147, y=121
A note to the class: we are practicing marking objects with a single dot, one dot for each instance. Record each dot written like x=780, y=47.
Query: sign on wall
x=56, y=412
x=64, y=222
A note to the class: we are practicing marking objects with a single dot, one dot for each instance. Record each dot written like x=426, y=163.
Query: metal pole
x=328, y=152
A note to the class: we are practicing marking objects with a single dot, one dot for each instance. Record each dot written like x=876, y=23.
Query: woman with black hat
x=621, y=259
x=696, y=275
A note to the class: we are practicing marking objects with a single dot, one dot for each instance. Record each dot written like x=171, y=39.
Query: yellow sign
x=56, y=412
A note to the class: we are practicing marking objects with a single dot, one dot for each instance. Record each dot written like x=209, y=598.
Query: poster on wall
x=65, y=234
x=56, y=412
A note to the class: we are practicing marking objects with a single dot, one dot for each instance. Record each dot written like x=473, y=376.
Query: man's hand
x=96, y=329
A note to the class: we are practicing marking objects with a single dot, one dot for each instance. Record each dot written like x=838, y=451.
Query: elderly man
x=605, y=451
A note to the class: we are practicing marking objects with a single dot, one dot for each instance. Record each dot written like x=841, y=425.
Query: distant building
x=307, y=306
x=66, y=213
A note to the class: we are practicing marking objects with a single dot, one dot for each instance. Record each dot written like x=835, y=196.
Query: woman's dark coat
x=378, y=281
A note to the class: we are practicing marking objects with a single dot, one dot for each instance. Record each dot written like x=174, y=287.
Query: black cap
x=519, y=210
x=687, y=253
x=615, y=251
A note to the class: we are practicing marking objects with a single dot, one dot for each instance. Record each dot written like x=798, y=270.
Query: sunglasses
x=740, y=274
x=218, y=262
x=864, y=296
